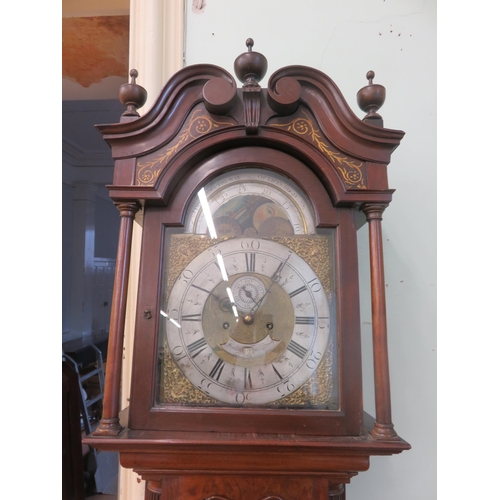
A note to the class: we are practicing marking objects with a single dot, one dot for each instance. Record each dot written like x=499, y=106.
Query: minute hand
x=274, y=278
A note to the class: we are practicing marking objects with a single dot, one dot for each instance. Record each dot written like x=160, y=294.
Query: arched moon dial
x=252, y=202
x=256, y=336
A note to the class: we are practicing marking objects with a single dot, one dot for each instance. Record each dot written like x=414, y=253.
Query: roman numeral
x=296, y=292
x=277, y=372
x=197, y=346
x=304, y=320
x=217, y=370
x=250, y=261
x=297, y=349
x=248, y=379
x=191, y=317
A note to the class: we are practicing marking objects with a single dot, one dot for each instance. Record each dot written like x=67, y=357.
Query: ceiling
x=94, y=56
x=95, y=49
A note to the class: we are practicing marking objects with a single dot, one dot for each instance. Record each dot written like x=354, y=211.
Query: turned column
x=337, y=492
x=153, y=490
x=109, y=424
x=383, y=428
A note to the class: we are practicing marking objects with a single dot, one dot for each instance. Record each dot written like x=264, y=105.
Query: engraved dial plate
x=249, y=321
x=248, y=309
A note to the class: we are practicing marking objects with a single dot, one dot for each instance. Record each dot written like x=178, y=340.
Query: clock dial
x=249, y=321
x=252, y=202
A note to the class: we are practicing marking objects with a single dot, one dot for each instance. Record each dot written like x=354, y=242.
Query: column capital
x=374, y=211
x=128, y=208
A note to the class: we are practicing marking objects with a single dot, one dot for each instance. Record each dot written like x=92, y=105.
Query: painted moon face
x=251, y=196
x=266, y=211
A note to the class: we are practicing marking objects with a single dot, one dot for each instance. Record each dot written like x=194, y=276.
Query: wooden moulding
x=213, y=453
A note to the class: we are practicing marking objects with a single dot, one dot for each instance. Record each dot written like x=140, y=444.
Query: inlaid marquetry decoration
x=199, y=124
x=352, y=171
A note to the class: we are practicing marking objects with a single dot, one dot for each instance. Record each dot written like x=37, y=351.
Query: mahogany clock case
x=191, y=428
x=201, y=127
x=146, y=413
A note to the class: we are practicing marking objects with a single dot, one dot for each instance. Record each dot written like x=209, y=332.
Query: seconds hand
x=248, y=293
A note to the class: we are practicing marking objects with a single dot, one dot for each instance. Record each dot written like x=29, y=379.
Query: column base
x=384, y=432
x=108, y=427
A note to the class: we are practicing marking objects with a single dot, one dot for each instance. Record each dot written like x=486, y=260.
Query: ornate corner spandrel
x=351, y=170
x=199, y=123
x=319, y=390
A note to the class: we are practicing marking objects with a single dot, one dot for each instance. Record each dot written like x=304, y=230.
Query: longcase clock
x=246, y=377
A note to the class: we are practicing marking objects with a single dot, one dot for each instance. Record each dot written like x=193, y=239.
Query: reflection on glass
x=206, y=211
x=222, y=267
x=163, y=313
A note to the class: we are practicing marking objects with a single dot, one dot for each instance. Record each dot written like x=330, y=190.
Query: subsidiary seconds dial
x=249, y=321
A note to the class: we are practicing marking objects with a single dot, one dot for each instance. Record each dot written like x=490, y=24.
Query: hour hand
x=277, y=274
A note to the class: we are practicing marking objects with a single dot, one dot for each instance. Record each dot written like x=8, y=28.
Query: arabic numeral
x=313, y=361
x=222, y=198
x=250, y=244
x=178, y=353
x=173, y=314
x=324, y=322
x=285, y=388
x=314, y=285
x=186, y=276
x=241, y=397
x=202, y=386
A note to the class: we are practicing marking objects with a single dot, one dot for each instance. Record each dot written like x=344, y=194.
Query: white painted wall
x=345, y=39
